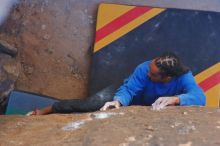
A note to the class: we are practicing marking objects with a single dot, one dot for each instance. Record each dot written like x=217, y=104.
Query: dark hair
x=170, y=65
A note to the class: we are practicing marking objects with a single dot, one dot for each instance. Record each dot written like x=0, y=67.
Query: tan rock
x=12, y=69
x=125, y=126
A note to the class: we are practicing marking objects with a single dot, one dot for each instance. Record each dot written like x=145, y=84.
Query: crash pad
x=20, y=102
x=129, y=35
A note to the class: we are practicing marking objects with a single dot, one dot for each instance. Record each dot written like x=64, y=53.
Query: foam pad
x=129, y=35
x=22, y=102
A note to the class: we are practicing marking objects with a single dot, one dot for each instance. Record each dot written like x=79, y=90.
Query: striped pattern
x=115, y=21
x=120, y=23
x=209, y=81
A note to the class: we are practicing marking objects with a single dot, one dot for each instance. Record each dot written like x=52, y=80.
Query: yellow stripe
x=213, y=96
x=109, y=12
x=207, y=73
x=128, y=27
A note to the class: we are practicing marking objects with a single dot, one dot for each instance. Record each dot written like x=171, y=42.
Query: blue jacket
x=140, y=90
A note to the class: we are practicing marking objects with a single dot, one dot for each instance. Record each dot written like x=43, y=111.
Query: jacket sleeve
x=192, y=93
x=133, y=86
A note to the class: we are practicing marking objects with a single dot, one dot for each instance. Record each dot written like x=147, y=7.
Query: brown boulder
x=130, y=126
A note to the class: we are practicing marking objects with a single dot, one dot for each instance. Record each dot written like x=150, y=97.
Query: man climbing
x=161, y=82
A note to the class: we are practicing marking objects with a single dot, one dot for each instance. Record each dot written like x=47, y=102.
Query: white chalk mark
x=218, y=127
x=130, y=139
x=77, y=124
x=187, y=144
x=104, y=115
x=73, y=125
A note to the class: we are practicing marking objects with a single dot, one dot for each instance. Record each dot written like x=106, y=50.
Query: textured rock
x=9, y=72
x=8, y=49
x=136, y=126
x=53, y=63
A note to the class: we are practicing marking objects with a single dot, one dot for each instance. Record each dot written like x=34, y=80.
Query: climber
x=163, y=81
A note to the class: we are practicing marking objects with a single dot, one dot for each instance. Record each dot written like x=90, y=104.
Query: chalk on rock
x=186, y=144
x=104, y=115
x=73, y=125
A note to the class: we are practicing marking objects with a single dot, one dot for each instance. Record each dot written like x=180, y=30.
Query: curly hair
x=170, y=65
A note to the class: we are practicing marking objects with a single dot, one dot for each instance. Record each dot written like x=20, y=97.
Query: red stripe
x=210, y=82
x=120, y=21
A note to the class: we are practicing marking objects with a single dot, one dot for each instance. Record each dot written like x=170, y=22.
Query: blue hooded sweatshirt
x=138, y=89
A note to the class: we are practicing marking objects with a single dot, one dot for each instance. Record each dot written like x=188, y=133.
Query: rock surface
x=8, y=49
x=9, y=71
x=130, y=126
